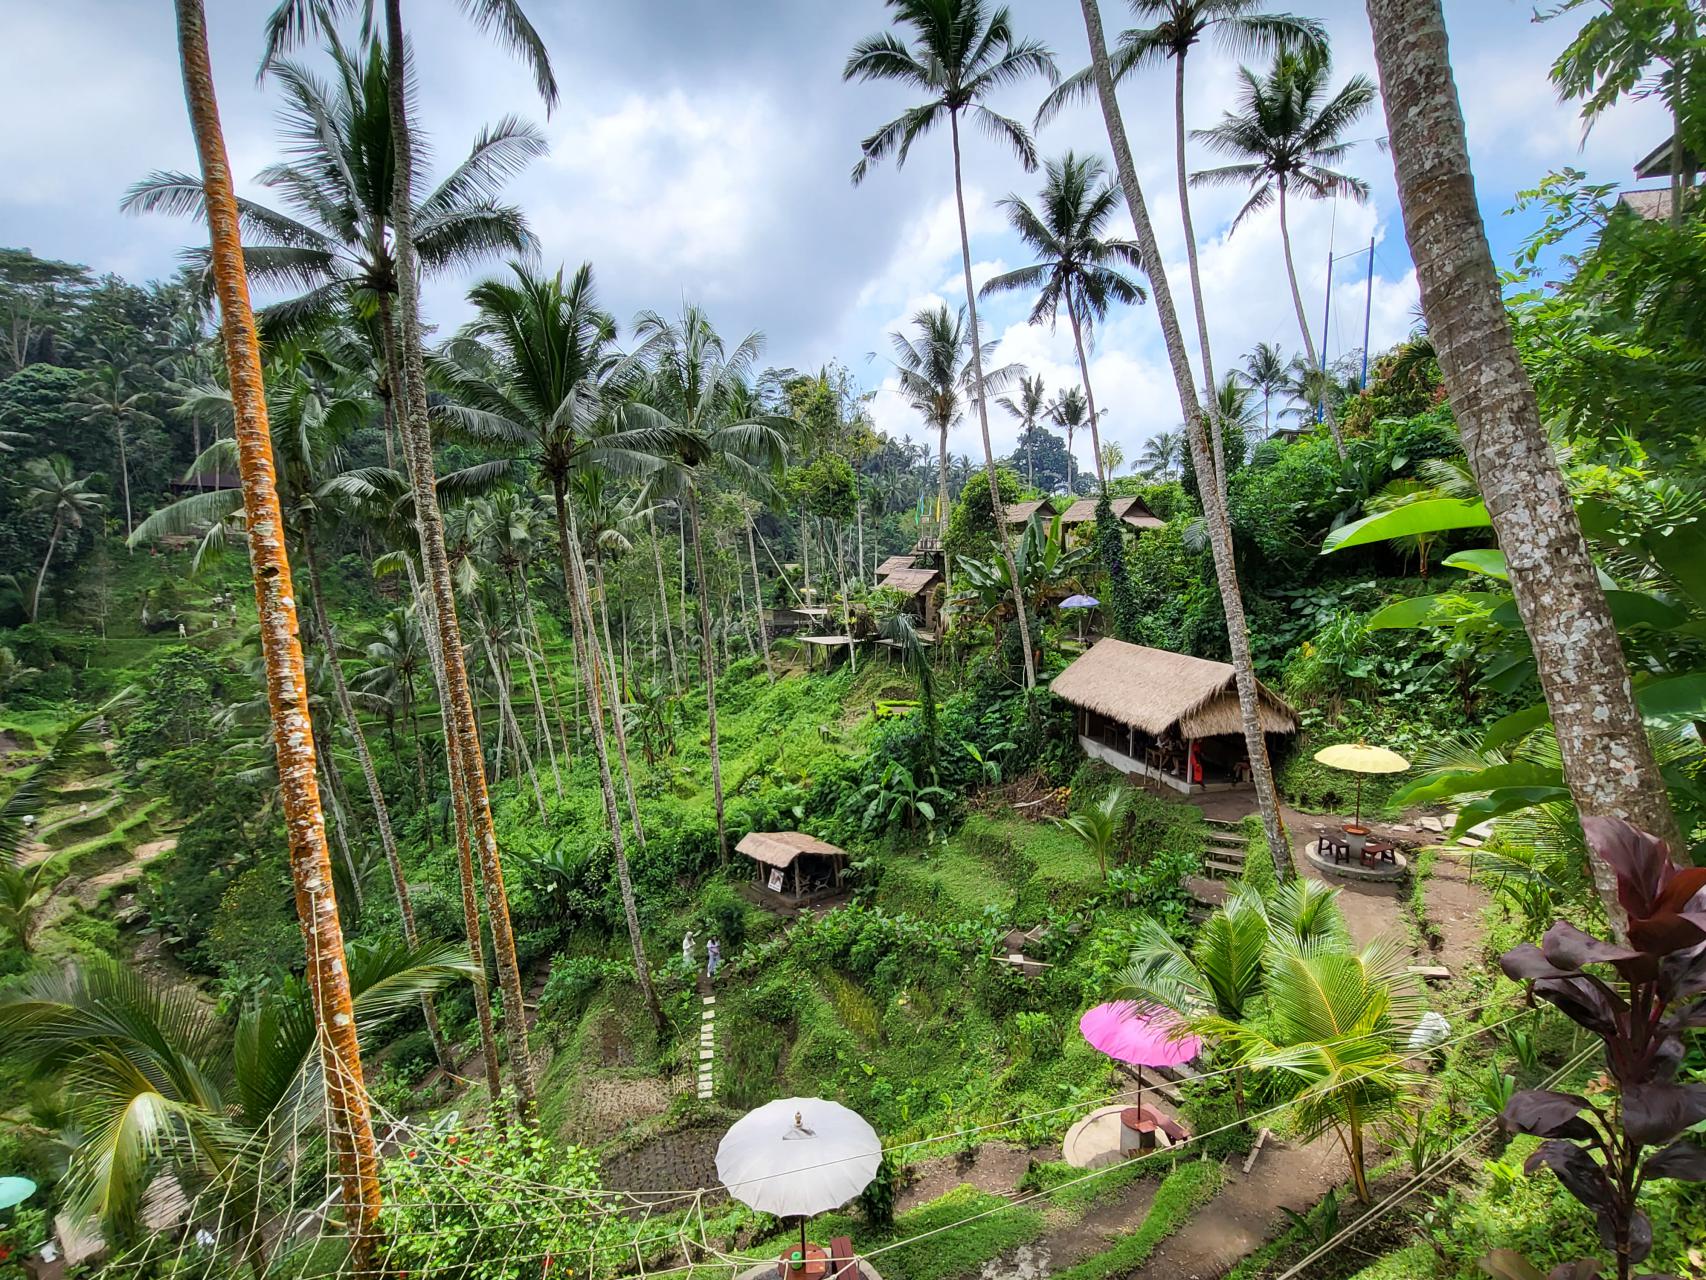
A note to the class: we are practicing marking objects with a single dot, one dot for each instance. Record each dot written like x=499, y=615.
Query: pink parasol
x=1142, y=1037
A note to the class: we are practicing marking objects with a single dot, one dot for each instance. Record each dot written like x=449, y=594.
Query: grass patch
x=958, y=1245
x=1181, y=1193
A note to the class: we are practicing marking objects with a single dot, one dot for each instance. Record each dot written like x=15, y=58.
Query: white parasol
x=796, y=1157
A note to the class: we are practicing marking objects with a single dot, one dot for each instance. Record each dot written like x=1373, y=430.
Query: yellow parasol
x=1360, y=758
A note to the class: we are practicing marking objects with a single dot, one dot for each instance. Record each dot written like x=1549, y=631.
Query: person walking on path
x=689, y=952
x=713, y=958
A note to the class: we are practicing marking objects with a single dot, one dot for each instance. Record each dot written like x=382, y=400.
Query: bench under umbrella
x=798, y=1157
x=1140, y=1036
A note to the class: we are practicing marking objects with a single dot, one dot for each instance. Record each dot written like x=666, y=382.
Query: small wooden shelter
x=794, y=869
x=919, y=588
x=1019, y=513
x=1130, y=511
x=893, y=565
x=1165, y=717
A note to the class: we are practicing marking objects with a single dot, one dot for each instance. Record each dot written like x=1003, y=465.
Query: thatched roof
x=1154, y=690
x=1020, y=513
x=912, y=581
x=1132, y=510
x=892, y=564
x=780, y=848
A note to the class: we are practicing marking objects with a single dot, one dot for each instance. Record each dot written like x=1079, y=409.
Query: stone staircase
x=1224, y=857
x=707, y=1041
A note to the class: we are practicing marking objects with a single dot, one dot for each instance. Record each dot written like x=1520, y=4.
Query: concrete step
x=1228, y=837
x=1230, y=855
x=1230, y=868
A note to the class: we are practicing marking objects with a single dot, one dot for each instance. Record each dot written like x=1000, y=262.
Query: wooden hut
x=1130, y=511
x=1019, y=513
x=1165, y=717
x=893, y=565
x=919, y=588
x=794, y=869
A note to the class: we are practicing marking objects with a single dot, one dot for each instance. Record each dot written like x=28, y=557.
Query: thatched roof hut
x=780, y=848
x=1019, y=513
x=893, y=564
x=1160, y=693
x=1131, y=511
x=910, y=582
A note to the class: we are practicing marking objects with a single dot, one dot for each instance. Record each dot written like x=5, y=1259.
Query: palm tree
x=152, y=1077
x=331, y=236
x=1265, y=369
x=292, y=21
x=1337, y=1025
x=695, y=401
x=1161, y=453
x=1606, y=755
x=1070, y=412
x=1238, y=26
x=1286, y=132
x=1184, y=384
x=1098, y=827
x=1079, y=267
x=962, y=51
x=108, y=397
x=531, y=370
x=310, y=864
x=937, y=377
x=1027, y=407
x=52, y=490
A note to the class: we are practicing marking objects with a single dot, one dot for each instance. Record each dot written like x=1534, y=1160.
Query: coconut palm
x=962, y=51
x=1098, y=827
x=1607, y=757
x=327, y=969
x=1176, y=26
x=695, y=401
x=1080, y=266
x=51, y=489
x=1028, y=406
x=938, y=377
x=154, y=1080
x=1287, y=131
x=110, y=396
x=1266, y=370
x=1337, y=1025
x=1070, y=411
x=291, y=22
x=1161, y=454
x=1215, y=516
x=530, y=371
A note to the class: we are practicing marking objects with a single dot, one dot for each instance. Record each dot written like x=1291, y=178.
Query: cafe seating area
x=1354, y=852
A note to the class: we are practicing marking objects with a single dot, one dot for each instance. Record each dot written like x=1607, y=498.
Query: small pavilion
x=794, y=869
x=1131, y=511
x=1166, y=717
x=1019, y=513
x=917, y=585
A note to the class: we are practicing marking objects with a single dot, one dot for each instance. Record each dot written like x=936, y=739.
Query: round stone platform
x=1355, y=869
x=1094, y=1142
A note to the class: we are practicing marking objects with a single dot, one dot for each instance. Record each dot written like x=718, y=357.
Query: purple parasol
x=1142, y=1037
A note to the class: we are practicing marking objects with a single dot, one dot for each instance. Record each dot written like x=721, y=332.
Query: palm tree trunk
x=550, y=675
x=997, y=508
x=1210, y=387
x=616, y=707
x=568, y=540
x=375, y=793
x=506, y=717
x=758, y=597
x=663, y=604
x=418, y=440
x=527, y=634
x=124, y=477
x=459, y=812
x=1089, y=395
x=1607, y=759
x=348, y=1122
x=1214, y=511
x=1303, y=323
x=41, y=574
x=710, y=678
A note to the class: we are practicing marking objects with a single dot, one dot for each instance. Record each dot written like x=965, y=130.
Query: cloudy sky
x=701, y=152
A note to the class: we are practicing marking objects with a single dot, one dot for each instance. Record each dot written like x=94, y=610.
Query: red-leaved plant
x=1604, y=1154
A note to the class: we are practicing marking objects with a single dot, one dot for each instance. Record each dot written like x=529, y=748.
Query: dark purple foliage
x=1600, y=1154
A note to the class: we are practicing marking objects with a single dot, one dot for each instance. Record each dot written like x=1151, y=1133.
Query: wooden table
x=814, y=1267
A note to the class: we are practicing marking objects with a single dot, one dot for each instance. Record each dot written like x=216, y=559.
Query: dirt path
x=1454, y=905
x=1247, y=1211
x=993, y=1167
